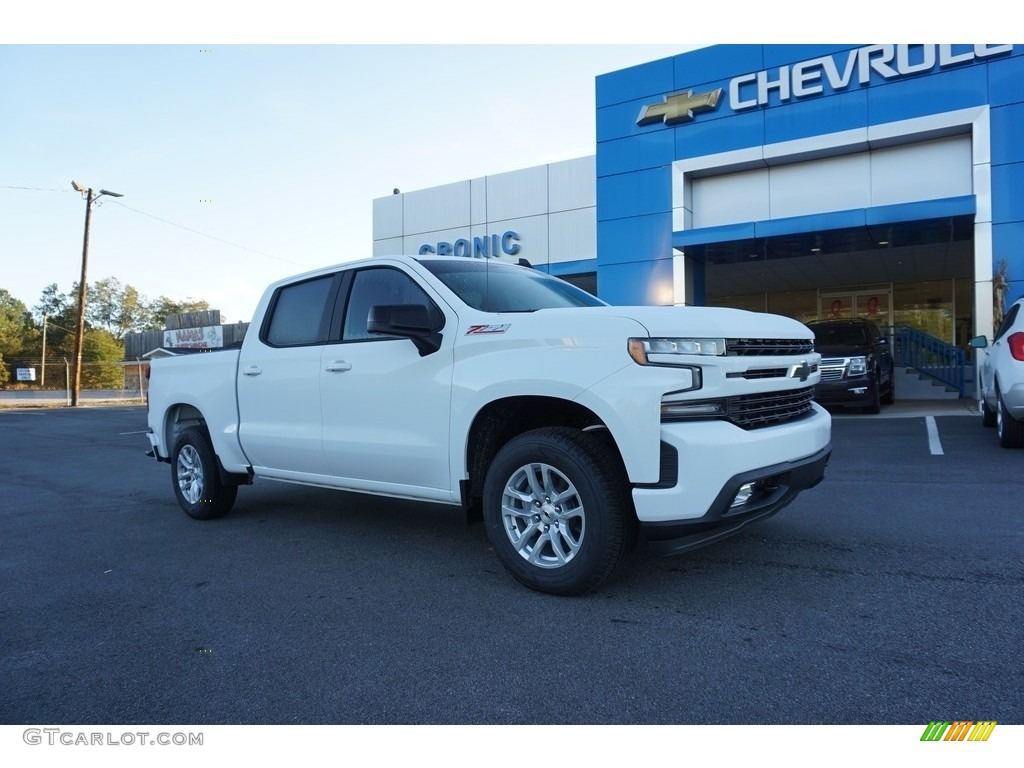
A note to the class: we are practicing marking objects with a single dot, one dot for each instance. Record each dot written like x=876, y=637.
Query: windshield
x=492, y=287
x=840, y=335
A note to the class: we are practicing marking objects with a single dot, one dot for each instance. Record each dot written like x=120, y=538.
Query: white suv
x=1001, y=385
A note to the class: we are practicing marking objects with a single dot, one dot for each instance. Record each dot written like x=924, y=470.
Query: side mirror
x=415, y=322
x=978, y=342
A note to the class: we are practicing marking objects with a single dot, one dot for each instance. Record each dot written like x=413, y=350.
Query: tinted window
x=492, y=287
x=833, y=335
x=298, y=313
x=377, y=286
x=1008, y=321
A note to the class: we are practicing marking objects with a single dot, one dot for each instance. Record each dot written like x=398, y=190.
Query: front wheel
x=890, y=394
x=874, y=401
x=558, y=511
x=988, y=416
x=1009, y=430
x=196, y=477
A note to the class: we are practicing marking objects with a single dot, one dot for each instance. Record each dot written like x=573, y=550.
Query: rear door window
x=298, y=313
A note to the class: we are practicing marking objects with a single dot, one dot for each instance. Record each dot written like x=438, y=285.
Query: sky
x=243, y=164
x=249, y=145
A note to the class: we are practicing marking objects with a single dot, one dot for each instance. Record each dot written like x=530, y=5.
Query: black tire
x=874, y=401
x=1009, y=430
x=890, y=394
x=196, y=479
x=988, y=416
x=558, y=510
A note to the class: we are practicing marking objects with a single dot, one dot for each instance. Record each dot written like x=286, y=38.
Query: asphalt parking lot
x=889, y=594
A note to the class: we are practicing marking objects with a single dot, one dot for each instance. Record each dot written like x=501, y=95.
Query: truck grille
x=833, y=368
x=767, y=409
x=769, y=346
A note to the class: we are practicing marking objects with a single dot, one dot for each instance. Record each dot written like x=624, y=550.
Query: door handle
x=253, y=370
x=339, y=366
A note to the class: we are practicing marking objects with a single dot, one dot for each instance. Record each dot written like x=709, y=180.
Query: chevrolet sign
x=809, y=78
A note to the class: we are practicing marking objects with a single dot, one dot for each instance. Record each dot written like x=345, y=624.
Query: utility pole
x=80, y=329
x=42, y=375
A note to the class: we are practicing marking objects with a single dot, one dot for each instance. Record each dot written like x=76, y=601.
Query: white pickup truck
x=568, y=424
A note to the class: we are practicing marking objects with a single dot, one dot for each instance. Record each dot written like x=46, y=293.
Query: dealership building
x=813, y=181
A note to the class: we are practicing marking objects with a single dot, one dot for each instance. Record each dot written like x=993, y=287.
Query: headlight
x=858, y=366
x=670, y=351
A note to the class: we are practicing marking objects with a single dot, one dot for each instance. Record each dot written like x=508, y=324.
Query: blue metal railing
x=926, y=354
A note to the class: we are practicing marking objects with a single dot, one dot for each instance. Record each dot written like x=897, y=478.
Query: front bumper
x=856, y=391
x=706, y=464
x=773, y=488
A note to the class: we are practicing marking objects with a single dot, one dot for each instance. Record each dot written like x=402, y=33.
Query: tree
x=59, y=310
x=101, y=359
x=14, y=321
x=116, y=308
x=164, y=307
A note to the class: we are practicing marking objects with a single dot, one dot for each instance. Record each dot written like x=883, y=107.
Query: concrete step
x=912, y=385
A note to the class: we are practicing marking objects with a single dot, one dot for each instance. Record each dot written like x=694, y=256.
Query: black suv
x=856, y=364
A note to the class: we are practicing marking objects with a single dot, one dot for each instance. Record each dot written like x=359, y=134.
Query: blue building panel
x=923, y=210
x=719, y=62
x=819, y=222
x=918, y=96
x=637, y=283
x=1007, y=136
x=1008, y=243
x=568, y=267
x=816, y=116
x=782, y=55
x=634, y=239
x=619, y=120
x=636, y=153
x=1007, y=200
x=1006, y=79
x=634, y=194
x=635, y=82
x=708, y=137
x=726, y=233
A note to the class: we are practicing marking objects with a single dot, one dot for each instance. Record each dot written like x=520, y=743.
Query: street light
x=90, y=198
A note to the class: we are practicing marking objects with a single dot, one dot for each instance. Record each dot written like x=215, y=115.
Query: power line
x=34, y=189
x=203, y=234
x=171, y=223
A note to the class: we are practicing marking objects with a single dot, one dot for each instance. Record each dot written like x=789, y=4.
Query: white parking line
x=934, y=445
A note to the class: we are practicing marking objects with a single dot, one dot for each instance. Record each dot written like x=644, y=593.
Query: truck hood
x=697, y=322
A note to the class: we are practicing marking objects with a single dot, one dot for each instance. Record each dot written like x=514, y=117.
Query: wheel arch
x=182, y=416
x=502, y=420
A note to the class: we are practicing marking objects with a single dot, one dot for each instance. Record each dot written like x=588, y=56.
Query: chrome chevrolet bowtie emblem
x=678, y=107
x=801, y=371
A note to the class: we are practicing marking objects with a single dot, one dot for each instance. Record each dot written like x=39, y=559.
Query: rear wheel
x=1009, y=430
x=196, y=477
x=558, y=511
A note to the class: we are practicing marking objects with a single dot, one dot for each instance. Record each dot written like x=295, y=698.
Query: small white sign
x=26, y=374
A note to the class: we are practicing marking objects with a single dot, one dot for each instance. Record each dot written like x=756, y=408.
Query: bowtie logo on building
x=679, y=107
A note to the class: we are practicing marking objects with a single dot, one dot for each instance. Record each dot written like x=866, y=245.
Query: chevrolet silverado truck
x=568, y=425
